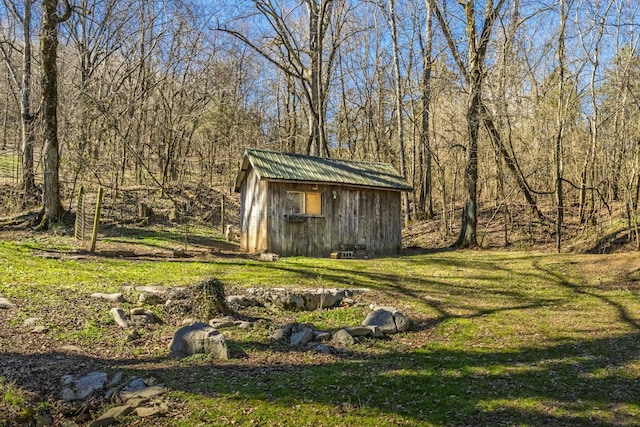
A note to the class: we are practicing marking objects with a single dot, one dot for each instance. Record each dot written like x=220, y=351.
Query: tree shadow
x=567, y=384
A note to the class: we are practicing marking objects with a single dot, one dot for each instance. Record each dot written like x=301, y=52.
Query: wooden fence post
x=96, y=221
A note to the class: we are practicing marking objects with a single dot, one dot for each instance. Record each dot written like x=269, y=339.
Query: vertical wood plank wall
x=356, y=217
x=253, y=214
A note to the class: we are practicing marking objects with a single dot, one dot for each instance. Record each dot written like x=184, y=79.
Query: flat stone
x=151, y=411
x=4, y=303
x=137, y=310
x=359, y=331
x=321, y=336
x=39, y=329
x=222, y=324
x=112, y=416
x=120, y=317
x=31, y=321
x=83, y=387
x=115, y=297
x=145, y=393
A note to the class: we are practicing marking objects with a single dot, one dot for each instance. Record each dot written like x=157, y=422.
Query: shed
x=292, y=204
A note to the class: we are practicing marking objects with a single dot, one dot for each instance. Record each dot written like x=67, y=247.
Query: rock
x=300, y=335
x=282, y=334
x=151, y=411
x=390, y=320
x=222, y=322
x=145, y=393
x=113, y=415
x=39, y=329
x=360, y=331
x=81, y=388
x=144, y=318
x=116, y=297
x=343, y=337
x=241, y=301
x=322, y=349
x=322, y=298
x=403, y=323
x=199, y=338
x=137, y=310
x=244, y=325
x=120, y=317
x=321, y=336
x=4, y=303
x=30, y=322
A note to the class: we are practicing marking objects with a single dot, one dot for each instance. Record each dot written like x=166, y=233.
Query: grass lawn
x=499, y=338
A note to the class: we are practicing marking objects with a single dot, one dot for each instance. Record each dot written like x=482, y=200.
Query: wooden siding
x=357, y=217
x=253, y=214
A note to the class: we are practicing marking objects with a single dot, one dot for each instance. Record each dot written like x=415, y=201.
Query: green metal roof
x=277, y=166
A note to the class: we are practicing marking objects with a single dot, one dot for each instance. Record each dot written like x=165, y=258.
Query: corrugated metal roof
x=273, y=165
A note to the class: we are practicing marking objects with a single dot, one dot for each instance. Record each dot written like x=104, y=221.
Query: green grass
x=501, y=338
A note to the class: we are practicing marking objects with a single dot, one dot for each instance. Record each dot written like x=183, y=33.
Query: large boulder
x=389, y=319
x=199, y=338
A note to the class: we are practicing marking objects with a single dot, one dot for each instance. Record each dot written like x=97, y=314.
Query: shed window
x=302, y=203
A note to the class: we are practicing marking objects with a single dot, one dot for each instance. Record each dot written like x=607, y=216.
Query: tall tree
x=49, y=48
x=473, y=73
x=27, y=117
x=307, y=57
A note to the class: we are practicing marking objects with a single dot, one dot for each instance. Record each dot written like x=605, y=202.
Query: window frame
x=304, y=204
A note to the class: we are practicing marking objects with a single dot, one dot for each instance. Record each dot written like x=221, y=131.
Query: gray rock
x=199, y=338
x=282, y=334
x=322, y=298
x=112, y=416
x=30, y=322
x=144, y=318
x=137, y=310
x=116, y=297
x=300, y=335
x=83, y=387
x=145, y=393
x=321, y=336
x=39, y=329
x=343, y=337
x=322, y=349
x=241, y=301
x=389, y=319
x=359, y=331
x=222, y=322
x=4, y=303
x=403, y=323
x=120, y=317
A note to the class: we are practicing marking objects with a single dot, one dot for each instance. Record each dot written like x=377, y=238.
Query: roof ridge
x=332, y=159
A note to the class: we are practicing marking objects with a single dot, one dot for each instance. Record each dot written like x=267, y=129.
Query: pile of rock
x=134, y=396
x=381, y=321
x=292, y=299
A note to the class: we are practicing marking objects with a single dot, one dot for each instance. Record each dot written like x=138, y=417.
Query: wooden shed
x=291, y=204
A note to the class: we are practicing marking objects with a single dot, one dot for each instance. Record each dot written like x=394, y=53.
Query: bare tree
x=26, y=114
x=53, y=210
x=473, y=74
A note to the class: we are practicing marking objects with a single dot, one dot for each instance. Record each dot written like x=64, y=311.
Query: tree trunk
x=426, y=187
x=28, y=176
x=399, y=115
x=49, y=45
x=559, y=166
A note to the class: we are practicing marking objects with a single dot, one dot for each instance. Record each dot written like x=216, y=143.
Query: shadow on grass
x=568, y=384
